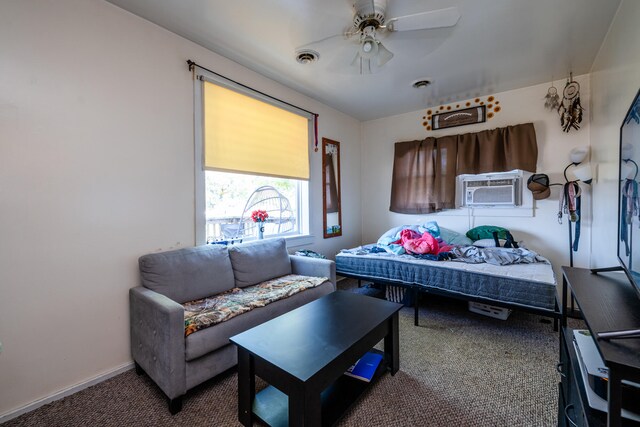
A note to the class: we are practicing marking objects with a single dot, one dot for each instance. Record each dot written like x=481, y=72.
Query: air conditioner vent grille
x=502, y=195
x=490, y=182
x=492, y=192
x=483, y=183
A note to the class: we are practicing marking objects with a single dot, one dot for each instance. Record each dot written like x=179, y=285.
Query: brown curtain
x=424, y=176
x=331, y=185
x=498, y=150
x=424, y=172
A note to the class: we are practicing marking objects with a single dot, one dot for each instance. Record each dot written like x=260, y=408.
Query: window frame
x=305, y=210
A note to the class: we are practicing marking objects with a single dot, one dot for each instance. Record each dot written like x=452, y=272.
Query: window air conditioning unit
x=491, y=190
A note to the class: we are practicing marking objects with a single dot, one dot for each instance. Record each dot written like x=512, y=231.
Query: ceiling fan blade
x=344, y=35
x=440, y=18
x=384, y=55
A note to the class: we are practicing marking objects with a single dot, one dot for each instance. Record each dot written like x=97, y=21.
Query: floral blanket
x=207, y=312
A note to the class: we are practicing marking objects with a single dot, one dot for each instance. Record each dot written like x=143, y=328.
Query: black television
x=629, y=206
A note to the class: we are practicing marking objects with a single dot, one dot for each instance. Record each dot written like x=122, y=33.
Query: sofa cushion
x=188, y=274
x=258, y=261
x=217, y=336
x=204, y=313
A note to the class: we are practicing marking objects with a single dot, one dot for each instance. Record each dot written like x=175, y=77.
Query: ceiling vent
x=307, y=56
x=421, y=84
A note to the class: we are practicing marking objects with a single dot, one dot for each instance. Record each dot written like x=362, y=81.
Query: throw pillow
x=454, y=238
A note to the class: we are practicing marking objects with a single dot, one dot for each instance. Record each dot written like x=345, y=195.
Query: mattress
x=526, y=285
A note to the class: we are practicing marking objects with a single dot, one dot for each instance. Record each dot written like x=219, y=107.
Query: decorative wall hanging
x=552, y=99
x=459, y=113
x=570, y=110
x=467, y=116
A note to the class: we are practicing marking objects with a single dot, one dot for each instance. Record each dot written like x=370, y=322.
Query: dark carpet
x=456, y=369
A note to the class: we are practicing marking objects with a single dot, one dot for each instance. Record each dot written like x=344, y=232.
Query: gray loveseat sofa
x=170, y=279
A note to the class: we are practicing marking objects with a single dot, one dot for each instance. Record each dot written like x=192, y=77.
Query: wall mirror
x=628, y=220
x=331, y=206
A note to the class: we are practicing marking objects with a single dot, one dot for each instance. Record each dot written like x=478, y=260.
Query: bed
x=525, y=287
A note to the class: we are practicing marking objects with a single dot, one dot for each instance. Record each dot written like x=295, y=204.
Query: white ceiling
x=497, y=45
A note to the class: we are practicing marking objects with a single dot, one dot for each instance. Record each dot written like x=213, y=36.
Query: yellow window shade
x=243, y=134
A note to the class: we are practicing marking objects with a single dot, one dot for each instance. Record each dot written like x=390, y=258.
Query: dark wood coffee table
x=303, y=355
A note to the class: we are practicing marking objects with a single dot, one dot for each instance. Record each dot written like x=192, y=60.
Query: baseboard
x=64, y=392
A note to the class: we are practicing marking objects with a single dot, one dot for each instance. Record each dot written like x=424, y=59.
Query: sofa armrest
x=157, y=339
x=317, y=267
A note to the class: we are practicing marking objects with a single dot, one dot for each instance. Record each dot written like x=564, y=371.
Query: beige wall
x=96, y=169
x=541, y=232
x=615, y=80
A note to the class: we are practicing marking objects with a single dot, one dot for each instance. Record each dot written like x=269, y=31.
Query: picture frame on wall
x=466, y=116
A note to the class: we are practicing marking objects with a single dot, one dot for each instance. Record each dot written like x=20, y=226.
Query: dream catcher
x=552, y=99
x=570, y=109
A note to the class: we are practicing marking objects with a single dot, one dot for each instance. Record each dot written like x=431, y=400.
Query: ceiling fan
x=370, y=23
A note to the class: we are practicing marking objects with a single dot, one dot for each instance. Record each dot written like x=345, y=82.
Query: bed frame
x=417, y=289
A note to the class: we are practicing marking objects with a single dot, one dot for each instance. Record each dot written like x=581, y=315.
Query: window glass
x=227, y=195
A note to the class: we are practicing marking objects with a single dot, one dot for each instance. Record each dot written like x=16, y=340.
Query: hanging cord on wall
x=576, y=237
x=570, y=204
x=315, y=132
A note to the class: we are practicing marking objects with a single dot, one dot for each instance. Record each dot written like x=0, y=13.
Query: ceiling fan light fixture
x=307, y=56
x=370, y=19
x=369, y=47
x=363, y=65
x=384, y=55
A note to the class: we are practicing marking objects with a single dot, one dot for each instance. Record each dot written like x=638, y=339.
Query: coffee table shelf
x=271, y=405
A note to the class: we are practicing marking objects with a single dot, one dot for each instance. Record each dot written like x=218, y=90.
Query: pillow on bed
x=394, y=234
x=488, y=243
x=486, y=232
x=454, y=238
x=390, y=235
x=431, y=227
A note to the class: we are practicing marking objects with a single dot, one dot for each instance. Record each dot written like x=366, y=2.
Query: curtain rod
x=193, y=64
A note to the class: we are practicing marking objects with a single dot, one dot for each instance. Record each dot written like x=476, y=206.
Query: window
x=249, y=147
x=227, y=195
